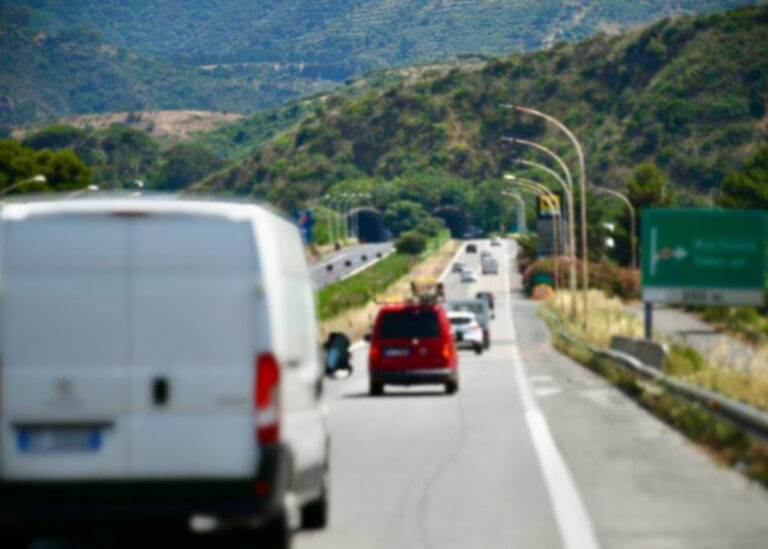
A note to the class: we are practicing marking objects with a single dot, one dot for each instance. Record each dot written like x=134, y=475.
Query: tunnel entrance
x=369, y=225
x=455, y=219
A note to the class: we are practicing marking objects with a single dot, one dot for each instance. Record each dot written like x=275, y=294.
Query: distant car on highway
x=160, y=362
x=458, y=267
x=467, y=332
x=412, y=344
x=489, y=266
x=478, y=307
x=485, y=253
x=471, y=248
x=488, y=297
x=495, y=241
x=468, y=275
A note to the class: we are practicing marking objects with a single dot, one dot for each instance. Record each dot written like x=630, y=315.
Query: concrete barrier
x=645, y=351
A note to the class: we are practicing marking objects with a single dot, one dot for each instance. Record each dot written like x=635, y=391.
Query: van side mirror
x=337, y=356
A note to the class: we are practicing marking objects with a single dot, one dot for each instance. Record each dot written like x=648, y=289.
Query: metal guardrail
x=741, y=415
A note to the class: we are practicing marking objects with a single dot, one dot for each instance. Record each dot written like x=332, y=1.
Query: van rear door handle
x=161, y=391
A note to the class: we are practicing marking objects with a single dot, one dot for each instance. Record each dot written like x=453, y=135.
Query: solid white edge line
x=451, y=262
x=574, y=524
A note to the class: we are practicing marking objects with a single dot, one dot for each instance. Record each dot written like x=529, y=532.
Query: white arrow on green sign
x=704, y=257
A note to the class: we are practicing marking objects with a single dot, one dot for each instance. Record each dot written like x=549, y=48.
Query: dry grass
x=356, y=322
x=744, y=379
x=171, y=125
x=606, y=317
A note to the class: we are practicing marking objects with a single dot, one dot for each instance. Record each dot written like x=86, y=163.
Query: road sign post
x=704, y=257
x=305, y=220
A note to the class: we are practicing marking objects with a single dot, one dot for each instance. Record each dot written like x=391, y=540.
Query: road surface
x=533, y=452
x=346, y=261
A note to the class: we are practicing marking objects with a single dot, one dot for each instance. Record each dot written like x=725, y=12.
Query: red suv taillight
x=374, y=352
x=266, y=399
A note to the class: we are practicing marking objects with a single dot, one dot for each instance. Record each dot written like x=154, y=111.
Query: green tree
x=749, y=187
x=59, y=136
x=647, y=188
x=63, y=169
x=184, y=164
x=403, y=216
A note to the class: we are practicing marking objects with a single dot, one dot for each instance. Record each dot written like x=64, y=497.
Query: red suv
x=412, y=345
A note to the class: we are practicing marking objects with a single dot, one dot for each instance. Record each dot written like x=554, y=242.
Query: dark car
x=488, y=297
x=471, y=248
x=412, y=345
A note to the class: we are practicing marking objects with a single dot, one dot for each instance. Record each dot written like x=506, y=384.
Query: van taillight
x=374, y=352
x=266, y=398
x=447, y=350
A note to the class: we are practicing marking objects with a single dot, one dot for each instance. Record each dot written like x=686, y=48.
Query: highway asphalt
x=534, y=451
x=346, y=262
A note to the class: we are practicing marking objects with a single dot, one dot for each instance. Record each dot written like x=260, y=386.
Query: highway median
x=348, y=306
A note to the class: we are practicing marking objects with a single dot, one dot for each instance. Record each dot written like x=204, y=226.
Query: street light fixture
x=89, y=188
x=559, y=233
x=537, y=189
x=632, y=216
x=568, y=185
x=36, y=179
x=583, y=191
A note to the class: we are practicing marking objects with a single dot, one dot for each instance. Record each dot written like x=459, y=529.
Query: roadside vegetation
x=726, y=442
x=363, y=287
x=738, y=379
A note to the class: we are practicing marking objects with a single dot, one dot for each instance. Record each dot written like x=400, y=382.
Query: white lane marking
x=576, y=530
x=451, y=262
x=544, y=392
x=541, y=379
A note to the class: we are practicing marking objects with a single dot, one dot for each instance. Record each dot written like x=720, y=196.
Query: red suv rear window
x=409, y=323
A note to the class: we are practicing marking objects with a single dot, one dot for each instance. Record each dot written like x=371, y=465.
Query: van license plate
x=54, y=440
x=396, y=352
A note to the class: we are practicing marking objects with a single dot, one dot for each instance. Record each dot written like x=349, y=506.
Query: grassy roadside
x=743, y=381
x=395, y=279
x=725, y=442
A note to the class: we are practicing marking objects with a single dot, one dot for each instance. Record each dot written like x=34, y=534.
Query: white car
x=458, y=267
x=495, y=241
x=467, y=332
x=162, y=356
x=468, y=275
x=490, y=266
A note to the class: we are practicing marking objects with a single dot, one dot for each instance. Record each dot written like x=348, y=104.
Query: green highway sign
x=704, y=257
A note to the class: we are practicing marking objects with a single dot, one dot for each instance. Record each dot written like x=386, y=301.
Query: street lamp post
x=35, y=179
x=632, y=217
x=537, y=189
x=583, y=192
x=558, y=229
x=568, y=185
x=520, y=211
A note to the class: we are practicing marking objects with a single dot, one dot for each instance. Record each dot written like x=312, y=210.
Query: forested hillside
x=687, y=94
x=351, y=33
x=48, y=76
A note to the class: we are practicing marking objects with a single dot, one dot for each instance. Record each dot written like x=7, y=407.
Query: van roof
x=132, y=205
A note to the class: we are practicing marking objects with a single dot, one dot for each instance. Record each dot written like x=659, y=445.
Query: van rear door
x=192, y=334
x=65, y=347
x=410, y=338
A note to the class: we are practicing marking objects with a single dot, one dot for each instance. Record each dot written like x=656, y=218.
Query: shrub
x=608, y=277
x=411, y=243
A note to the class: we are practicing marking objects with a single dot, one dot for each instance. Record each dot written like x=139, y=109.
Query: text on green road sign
x=714, y=257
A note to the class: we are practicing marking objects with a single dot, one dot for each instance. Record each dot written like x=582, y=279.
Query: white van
x=159, y=360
